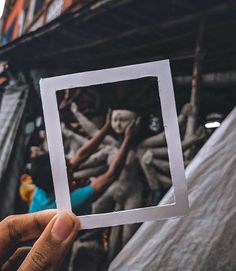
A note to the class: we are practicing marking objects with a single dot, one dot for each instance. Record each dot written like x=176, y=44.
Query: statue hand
x=74, y=108
x=108, y=118
x=187, y=110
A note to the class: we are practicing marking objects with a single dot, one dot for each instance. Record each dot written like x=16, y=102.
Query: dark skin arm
x=117, y=164
x=90, y=147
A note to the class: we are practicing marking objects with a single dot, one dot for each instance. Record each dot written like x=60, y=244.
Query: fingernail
x=63, y=226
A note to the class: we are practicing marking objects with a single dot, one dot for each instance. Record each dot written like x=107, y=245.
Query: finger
x=51, y=248
x=109, y=114
x=16, y=259
x=73, y=107
x=20, y=228
x=132, y=123
x=109, y=111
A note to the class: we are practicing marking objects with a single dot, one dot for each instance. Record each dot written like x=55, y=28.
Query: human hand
x=132, y=128
x=108, y=118
x=54, y=232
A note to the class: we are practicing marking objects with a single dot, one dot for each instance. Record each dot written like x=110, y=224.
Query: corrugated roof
x=112, y=33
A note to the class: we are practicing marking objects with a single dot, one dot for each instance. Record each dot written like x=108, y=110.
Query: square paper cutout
x=160, y=70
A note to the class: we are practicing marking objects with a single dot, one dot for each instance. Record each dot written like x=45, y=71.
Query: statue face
x=121, y=119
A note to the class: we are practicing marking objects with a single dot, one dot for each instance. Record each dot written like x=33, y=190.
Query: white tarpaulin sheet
x=206, y=238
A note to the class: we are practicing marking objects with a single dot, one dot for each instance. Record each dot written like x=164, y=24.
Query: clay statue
x=146, y=167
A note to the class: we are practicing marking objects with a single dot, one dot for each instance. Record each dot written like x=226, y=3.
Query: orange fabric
x=67, y=4
x=2, y=80
x=27, y=188
x=13, y=14
x=16, y=29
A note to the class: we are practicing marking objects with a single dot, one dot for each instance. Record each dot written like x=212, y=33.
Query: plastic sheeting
x=11, y=110
x=206, y=238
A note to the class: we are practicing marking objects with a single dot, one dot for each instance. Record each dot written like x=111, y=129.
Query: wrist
x=127, y=138
x=106, y=126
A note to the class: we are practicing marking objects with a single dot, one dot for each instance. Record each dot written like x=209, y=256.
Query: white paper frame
x=160, y=70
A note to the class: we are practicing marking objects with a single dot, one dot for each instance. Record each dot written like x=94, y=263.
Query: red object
x=2, y=80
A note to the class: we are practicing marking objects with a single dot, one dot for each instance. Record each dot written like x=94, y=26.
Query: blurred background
x=44, y=38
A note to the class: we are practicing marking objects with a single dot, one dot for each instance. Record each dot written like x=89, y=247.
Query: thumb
x=50, y=249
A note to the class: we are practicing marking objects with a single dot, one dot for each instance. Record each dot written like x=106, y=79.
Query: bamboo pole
x=196, y=82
